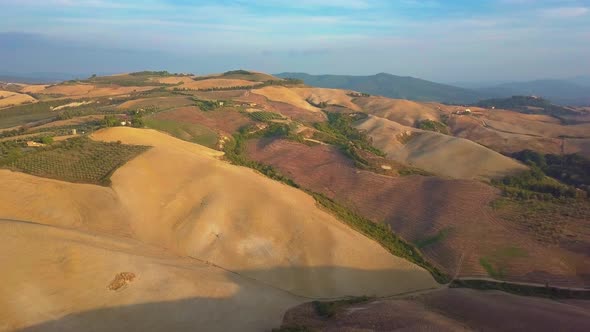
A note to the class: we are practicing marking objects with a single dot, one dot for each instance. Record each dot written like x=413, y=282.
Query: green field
x=186, y=131
x=76, y=160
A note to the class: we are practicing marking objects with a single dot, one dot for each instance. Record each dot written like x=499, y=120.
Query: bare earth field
x=8, y=98
x=226, y=121
x=65, y=280
x=33, y=88
x=305, y=97
x=441, y=154
x=448, y=310
x=191, y=84
x=159, y=102
x=186, y=206
x=90, y=90
x=420, y=208
x=405, y=112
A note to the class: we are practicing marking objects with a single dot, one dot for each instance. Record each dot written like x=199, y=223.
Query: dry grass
x=404, y=112
x=306, y=98
x=158, y=102
x=227, y=215
x=33, y=88
x=215, y=83
x=83, y=90
x=61, y=280
x=419, y=209
x=8, y=98
x=437, y=153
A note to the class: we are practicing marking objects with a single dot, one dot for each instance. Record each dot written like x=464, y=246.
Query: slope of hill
x=260, y=229
x=434, y=152
x=66, y=280
x=391, y=86
x=445, y=310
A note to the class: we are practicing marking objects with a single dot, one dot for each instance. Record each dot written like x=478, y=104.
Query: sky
x=445, y=41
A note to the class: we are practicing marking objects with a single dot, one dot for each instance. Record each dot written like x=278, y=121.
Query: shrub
x=46, y=140
x=432, y=125
x=534, y=184
x=329, y=309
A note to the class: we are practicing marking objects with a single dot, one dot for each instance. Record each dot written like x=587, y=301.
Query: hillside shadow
x=255, y=306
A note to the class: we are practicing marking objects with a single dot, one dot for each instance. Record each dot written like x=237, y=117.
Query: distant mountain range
x=37, y=78
x=401, y=87
x=574, y=91
x=565, y=92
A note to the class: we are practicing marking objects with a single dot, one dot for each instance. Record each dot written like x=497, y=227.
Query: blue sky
x=432, y=39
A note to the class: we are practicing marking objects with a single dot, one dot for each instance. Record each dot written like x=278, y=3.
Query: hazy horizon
x=458, y=41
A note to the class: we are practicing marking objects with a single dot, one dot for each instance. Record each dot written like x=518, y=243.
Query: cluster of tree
x=432, y=125
x=571, y=169
x=150, y=73
x=234, y=151
x=136, y=120
x=321, y=104
x=534, y=184
x=338, y=130
x=207, y=105
x=236, y=72
x=9, y=151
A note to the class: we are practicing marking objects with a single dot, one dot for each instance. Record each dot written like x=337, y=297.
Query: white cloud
x=564, y=12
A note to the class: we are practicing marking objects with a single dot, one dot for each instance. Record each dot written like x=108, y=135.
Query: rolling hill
x=219, y=202
x=391, y=86
x=563, y=92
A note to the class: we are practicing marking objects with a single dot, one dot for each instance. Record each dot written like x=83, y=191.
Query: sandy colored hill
x=56, y=279
x=195, y=205
x=191, y=84
x=438, y=153
x=8, y=98
x=286, y=95
x=248, y=75
x=83, y=90
x=33, y=88
x=403, y=111
x=301, y=97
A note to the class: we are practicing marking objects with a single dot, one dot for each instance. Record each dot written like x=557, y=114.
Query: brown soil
x=419, y=208
x=449, y=310
x=227, y=121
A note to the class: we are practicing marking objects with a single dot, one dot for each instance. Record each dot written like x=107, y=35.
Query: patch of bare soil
x=121, y=281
